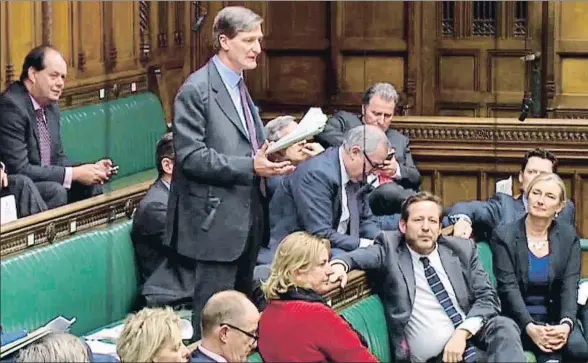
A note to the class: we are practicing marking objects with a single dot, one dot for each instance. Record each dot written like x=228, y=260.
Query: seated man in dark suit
x=482, y=217
x=30, y=133
x=297, y=153
x=439, y=303
x=149, y=219
x=377, y=109
x=26, y=195
x=229, y=325
x=323, y=195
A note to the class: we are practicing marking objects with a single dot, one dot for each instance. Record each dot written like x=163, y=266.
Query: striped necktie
x=469, y=356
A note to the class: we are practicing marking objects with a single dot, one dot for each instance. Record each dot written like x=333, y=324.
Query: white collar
x=344, y=175
x=212, y=355
x=417, y=256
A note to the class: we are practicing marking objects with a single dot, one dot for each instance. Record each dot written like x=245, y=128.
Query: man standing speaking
x=217, y=199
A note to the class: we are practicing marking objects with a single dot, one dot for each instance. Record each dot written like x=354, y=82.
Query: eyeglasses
x=375, y=166
x=253, y=336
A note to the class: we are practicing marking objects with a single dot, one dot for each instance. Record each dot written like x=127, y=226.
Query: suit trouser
x=213, y=276
x=55, y=195
x=28, y=199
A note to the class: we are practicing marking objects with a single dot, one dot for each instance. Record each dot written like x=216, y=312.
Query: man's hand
x=266, y=168
x=3, y=176
x=338, y=274
x=462, y=228
x=89, y=174
x=538, y=335
x=312, y=149
x=456, y=345
x=107, y=166
x=390, y=167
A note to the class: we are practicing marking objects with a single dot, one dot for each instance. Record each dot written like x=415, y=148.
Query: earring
x=556, y=214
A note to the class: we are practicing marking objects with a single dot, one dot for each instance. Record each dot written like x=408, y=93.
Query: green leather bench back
x=125, y=130
x=91, y=277
x=485, y=255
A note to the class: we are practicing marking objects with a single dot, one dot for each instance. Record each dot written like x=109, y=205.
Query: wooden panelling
x=104, y=43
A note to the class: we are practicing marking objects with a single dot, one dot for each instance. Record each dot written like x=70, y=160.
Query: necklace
x=538, y=244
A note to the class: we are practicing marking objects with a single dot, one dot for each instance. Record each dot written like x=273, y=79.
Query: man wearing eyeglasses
x=324, y=197
x=229, y=328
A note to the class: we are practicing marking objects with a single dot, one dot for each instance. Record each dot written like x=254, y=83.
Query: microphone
x=196, y=27
x=525, y=108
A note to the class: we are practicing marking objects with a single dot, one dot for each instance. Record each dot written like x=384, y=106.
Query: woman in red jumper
x=297, y=324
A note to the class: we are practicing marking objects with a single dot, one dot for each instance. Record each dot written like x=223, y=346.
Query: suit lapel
x=223, y=99
x=521, y=250
x=555, y=247
x=405, y=264
x=454, y=270
x=33, y=118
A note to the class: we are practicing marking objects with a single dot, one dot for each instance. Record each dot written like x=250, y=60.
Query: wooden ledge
x=356, y=289
x=62, y=222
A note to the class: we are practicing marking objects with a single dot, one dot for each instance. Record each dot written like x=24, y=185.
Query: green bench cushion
x=584, y=244
x=125, y=130
x=91, y=277
x=485, y=255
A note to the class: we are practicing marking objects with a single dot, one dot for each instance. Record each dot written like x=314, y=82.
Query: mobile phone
x=114, y=168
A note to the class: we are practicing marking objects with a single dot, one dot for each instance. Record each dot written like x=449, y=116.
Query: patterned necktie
x=248, y=116
x=44, y=138
x=352, y=190
x=469, y=356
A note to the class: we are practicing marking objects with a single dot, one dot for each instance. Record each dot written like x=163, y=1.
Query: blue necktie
x=469, y=356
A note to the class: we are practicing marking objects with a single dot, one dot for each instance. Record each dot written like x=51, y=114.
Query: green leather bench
x=125, y=130
x=91, y=276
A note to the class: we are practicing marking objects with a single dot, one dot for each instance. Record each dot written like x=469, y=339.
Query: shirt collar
x=36, y=105
x=229, y=76
x=417, y=256
x=165, y=183
x=212, y=355
x=344, y=175
x=525, y=202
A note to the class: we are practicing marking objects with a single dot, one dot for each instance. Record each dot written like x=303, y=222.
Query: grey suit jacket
x=19, y=137
x=390, y=261
x=343, y=121
x=215, y=193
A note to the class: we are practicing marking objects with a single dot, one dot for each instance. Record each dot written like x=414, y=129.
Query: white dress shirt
x=344, y=219
x=429, y=328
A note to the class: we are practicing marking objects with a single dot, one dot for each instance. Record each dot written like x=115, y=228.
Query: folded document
x=312, y=123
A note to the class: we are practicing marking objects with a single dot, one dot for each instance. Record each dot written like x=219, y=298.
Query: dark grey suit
x=501, y=208
x=310, y=200
x=26, y=195
x=393, y=279
x=343, y=121
x=216, y=209
x=148, y=229
x=21, y=153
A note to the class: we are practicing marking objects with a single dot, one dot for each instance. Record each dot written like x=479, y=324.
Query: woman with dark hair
x=297, y=324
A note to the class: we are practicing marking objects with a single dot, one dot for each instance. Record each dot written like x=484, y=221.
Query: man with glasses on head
x=324, y=197
x=229, y=328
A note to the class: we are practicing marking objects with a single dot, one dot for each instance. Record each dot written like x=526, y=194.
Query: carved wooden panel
x=126, y=43
x=473, y=56
x=91, y=50
x=20, y=35
x=62, y=32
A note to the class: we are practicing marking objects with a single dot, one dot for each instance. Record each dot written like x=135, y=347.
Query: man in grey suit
x=217, y=208
x=378, y=104
x=429, y=283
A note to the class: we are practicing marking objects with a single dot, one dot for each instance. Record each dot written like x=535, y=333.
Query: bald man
x=229, y=328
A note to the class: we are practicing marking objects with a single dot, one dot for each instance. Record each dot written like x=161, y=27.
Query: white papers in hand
x=311, y=124
x=504, y=186
x=583, y=293
x=57, y=325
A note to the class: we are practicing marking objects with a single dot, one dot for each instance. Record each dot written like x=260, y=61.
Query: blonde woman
x=537, y=267
x=152, y=335
x=297, y=324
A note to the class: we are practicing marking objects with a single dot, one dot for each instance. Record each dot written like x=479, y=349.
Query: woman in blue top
x=537, y=267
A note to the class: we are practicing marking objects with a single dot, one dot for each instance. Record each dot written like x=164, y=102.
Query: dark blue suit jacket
x=501, y=208
x=310, y=200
